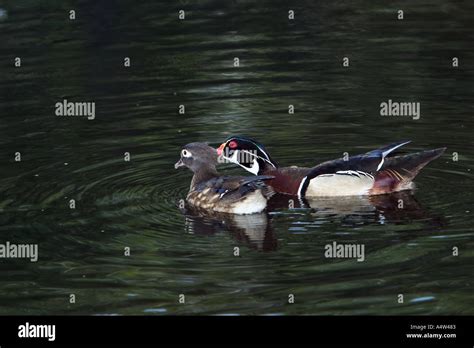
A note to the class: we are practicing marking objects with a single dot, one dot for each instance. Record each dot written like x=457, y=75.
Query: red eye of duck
x=233, y=144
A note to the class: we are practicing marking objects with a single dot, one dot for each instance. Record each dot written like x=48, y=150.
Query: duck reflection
x=394, y=208
x=253, y=230
x=256, y=230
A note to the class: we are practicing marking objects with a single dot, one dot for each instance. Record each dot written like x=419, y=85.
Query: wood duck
x=375, y=172
x=209, y=191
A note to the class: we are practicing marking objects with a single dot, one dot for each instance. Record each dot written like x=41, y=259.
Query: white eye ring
x=186, y=153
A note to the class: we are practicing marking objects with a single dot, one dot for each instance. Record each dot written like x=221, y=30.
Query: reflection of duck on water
x=390, y=208
x=254, y=230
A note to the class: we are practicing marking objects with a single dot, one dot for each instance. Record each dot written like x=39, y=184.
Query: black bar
x=132, y=330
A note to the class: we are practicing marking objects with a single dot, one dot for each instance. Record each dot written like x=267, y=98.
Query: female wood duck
x=208, y=190
x=372, y=173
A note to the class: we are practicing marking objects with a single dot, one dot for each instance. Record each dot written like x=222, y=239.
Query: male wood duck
x=375, y=172
x=225, y=194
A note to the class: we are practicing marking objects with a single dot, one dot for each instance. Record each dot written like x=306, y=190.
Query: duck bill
x=179, y=164
x=220, y=149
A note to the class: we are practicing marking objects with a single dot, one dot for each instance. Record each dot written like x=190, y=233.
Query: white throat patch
x=254, y=168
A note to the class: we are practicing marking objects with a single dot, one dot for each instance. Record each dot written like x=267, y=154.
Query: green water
x=134, y=204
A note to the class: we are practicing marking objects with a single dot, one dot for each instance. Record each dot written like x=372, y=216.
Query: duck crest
x=248, y=154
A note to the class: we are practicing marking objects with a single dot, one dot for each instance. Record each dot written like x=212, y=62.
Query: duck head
x=247, y=153
x=198, y=157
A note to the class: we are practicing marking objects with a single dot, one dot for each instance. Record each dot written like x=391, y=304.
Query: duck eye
x=233, y=144
x=186, y=153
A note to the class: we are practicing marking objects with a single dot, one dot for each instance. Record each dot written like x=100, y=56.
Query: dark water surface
x=135, y=204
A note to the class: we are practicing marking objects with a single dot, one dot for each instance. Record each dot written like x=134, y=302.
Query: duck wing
x=237, y=186
x=374, y=172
